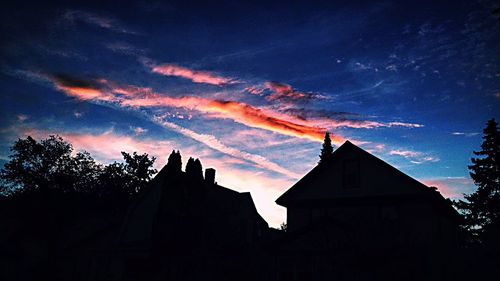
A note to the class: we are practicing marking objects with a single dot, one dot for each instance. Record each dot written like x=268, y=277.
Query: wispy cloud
x=465, y=134
x=451, y=187
x=22, y=117
x=284, y=93
x=97, y=20
x=214, y=143
x=107, y=146
x=138, y=130
x=415, y=157
x=197, y=76
x=103, y=90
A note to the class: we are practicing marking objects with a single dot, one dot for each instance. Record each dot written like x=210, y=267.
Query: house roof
x=376, y=179
x=221, y=204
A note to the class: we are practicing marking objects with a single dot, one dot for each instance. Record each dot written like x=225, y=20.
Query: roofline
x=280, y=199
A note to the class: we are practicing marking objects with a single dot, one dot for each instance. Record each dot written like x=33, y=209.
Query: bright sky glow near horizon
x=251, y=89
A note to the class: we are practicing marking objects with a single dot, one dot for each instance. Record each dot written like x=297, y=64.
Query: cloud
x=333, y=119
x=134, y=96
x=297, y=122
x=451, y=187
x=124, y=48
x=107, y=146
x=464, y=134
x=216, y=144
x=197, y=76
x=79, y=88
x=405, y=153
x=98, y=20
x=255, y=90
x=22, y=117
x=138, y=130
x=284, y=93
x=127, y=95
x=237, y=111
x=414, y=156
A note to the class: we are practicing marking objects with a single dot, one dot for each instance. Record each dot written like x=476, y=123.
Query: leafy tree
x=139, y=169
x=48, y=165
x=37, y=165
x=481, y=208
x=327, y=150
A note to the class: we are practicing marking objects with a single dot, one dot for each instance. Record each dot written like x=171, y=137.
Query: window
x=350, y=174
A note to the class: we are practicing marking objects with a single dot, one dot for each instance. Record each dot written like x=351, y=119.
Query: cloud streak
x=197, y=76
x=97, y=20
x=414, y=156
x=216, y=144
x=101, y=89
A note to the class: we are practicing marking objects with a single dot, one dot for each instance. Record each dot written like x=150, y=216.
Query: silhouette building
x=352, y=217
x=186, y=227
x=355, y=217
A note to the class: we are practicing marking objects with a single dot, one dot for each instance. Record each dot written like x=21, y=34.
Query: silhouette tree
x=194, y=170
x=40, y=166
x=174, y=163
x=189, y=166
x=327, y=150
x=139, y=169
x=198, y=170
x=49, y=166
x=481, y=208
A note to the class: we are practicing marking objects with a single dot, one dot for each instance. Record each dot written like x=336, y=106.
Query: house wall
x=380, y=224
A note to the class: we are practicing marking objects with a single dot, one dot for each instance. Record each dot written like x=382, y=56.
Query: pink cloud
x=285, y=94
x=254, y=90
x=197, y=76
x=216, y=144
x=451, y=187
x=239, y=112
x=101, y=89
x=107, y=146
x=138, y=130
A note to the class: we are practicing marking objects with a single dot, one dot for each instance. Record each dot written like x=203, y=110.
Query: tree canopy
x=481, y=209
x=327, y=150
x=51, y=166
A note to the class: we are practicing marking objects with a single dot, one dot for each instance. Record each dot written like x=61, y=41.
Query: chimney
x=210, y=176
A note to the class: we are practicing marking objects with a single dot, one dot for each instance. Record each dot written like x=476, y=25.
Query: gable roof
x=377, y=179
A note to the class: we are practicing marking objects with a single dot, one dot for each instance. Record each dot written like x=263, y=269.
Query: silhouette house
x=355, y=217
x=352, y=217
x=186, y=227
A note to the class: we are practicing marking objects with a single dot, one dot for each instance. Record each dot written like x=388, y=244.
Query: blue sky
x=250, y=89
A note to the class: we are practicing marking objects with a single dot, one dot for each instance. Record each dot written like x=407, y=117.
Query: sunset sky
x=251, y=89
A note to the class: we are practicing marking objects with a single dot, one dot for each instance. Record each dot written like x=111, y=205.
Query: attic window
x=350, y=174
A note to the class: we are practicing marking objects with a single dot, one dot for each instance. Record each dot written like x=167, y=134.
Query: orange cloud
x=81, y=89
x=196, y=76
x=451, y=187
x=239, y=112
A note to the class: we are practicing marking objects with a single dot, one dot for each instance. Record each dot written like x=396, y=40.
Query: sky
x=251, y=89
